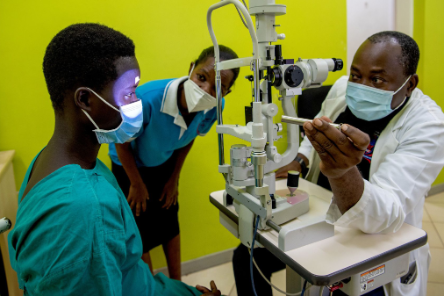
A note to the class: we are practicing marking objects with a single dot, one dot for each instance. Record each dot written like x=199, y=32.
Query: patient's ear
x=82, y=98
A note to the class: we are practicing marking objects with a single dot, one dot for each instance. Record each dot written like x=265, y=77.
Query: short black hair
x=83, y=55
x=225, y=54
x=410, y=51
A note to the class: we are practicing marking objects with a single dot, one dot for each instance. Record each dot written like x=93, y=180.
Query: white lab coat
x=407, y=158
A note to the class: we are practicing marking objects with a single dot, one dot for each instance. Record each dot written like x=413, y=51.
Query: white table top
x=348, y=252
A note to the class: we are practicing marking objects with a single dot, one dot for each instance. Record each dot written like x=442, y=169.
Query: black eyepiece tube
x=339, y=64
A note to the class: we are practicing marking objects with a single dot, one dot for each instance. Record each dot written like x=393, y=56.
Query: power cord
x=303, y=288
x=240, y=15
x=252, y=261
x=251, y=254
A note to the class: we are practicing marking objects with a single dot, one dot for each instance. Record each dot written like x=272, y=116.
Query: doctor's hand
x=339, y=150
x=170, y=192
x=138, y=194
x=207, y=292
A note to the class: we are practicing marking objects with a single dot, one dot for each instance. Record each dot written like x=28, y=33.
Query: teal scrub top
x=75, y=235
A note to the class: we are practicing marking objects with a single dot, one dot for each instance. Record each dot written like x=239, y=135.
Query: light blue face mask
x=132, y=120
x=369, y=103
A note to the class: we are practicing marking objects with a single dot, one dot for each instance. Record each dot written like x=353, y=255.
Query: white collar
x=169, y=103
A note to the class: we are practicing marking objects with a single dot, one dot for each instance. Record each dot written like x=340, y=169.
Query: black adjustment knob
x=278, y=55
x=273, y=201
x=293, y=179
x=229, y=199
x=339, y=64
x=250, y=78
x=293, y=76
x=277, y=77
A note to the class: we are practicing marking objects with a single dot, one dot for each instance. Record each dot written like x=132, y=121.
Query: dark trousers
x=156, y=225
x=268, y=264
x=3, y=286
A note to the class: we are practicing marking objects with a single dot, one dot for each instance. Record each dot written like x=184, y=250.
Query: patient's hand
x=292, y=166
x=207, y=292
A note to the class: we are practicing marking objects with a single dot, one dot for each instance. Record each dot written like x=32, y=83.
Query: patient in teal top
x=75, y=233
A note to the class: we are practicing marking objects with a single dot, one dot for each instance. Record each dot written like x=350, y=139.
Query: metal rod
x=257, y=96
x=219, y=118
x=301, y=121
x=273, y=225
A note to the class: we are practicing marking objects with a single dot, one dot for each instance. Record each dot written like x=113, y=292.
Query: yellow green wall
x=168, y=36
x=428, y=31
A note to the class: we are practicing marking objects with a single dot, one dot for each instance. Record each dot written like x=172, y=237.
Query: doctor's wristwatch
x=304, y=169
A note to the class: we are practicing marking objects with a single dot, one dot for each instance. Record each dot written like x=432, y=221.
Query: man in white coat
x=383, y=161
x=379, y=189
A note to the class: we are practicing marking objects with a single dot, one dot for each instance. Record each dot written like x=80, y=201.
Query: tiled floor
x=433, y=224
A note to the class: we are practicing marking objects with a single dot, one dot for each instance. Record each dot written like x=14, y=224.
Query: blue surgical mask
x=369, y=103
x=132, y=120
